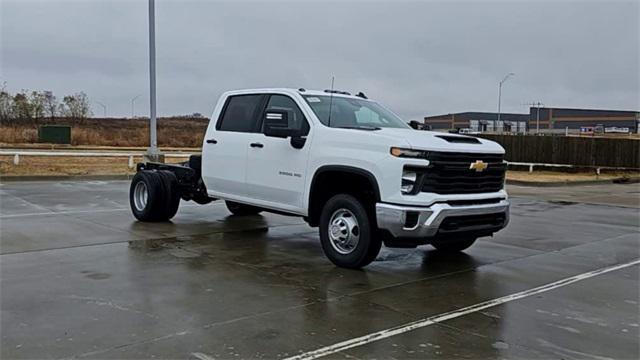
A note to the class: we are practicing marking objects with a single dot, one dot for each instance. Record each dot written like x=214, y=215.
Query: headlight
x=408, y=181
x=408, y=153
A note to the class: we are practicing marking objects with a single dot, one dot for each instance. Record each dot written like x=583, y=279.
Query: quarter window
x=240, y=113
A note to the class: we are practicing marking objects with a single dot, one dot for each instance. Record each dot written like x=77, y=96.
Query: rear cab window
x=240, y=113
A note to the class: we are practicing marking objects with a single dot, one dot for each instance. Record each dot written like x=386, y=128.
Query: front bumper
x=425, y=222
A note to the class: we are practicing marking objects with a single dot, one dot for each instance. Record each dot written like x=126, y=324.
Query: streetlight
x=538, y=116
x=104, y=108
x=152, y=153
x=506, y=77
x=133, y=100
x=537, y=104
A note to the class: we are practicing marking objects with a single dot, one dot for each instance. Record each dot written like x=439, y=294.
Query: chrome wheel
x=344, y=231
x=140, y=196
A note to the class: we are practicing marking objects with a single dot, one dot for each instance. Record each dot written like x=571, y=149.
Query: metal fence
x=604, y=152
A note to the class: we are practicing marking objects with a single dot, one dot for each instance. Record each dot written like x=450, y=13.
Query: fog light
x=408, y=181
x=411, y=219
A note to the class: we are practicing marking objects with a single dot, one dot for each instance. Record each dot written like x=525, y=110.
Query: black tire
x=172, y=193
x=344, y=206
x=451, y=244
x=242, y=209
x=153, y=209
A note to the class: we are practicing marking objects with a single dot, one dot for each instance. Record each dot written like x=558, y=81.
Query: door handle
x=212, y=141
x=256, y=145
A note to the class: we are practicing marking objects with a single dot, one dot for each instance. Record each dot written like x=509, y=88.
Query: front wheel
x=453, y=244
x=346, y=233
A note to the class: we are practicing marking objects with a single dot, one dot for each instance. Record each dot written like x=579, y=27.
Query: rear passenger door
x=276, y=171
x=226, y=146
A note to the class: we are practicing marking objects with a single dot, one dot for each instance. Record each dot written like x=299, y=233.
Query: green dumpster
x=56, y=134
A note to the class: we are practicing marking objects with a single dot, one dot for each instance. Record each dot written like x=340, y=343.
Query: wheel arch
x=318, y=193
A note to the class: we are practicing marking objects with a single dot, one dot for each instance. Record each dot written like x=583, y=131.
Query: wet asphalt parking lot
x=79, y=278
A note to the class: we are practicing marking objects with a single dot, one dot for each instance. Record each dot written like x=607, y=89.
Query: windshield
x=352, y=113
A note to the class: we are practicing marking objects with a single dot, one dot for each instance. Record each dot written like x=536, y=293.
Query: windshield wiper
x=368, y=128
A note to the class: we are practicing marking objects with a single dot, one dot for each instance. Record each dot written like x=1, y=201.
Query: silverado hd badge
x=478, y=166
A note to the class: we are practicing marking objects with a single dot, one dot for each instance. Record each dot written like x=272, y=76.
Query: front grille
x=450, y=173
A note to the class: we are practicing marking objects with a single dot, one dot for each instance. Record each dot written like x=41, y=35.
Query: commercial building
x=479, y=121
x=547, y=120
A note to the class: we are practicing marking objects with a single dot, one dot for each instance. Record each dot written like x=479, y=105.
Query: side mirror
x=276, y=124
x=415, y=124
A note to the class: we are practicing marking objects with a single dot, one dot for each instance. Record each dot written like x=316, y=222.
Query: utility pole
x=153, y=154
x=104, y=108
x=133, y=101
x=537, y=104
x=506, y=77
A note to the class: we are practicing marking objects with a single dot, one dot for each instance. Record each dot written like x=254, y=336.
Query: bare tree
x=21, y=108
x=77, y=106
x=51, y=105
x=6, y=105
x=36, y=102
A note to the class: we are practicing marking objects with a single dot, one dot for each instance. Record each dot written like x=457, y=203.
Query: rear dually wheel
x=154, y=196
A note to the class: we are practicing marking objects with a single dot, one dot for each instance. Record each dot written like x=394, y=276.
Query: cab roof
x=301, y=91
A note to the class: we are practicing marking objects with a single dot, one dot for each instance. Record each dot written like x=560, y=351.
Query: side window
x=296, y=118
x=239, y=113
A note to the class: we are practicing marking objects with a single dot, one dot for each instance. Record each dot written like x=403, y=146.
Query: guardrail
x=17, y=154
x=596, y=168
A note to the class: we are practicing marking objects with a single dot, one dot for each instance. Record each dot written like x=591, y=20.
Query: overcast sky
x=419, y=58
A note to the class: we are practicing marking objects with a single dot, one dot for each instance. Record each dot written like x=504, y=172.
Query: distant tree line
x=34, y=106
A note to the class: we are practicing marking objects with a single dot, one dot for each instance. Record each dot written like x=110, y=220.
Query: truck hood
x=437, y=141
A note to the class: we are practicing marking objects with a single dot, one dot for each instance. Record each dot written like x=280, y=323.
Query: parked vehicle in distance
x=345, y=164
x=468, y=131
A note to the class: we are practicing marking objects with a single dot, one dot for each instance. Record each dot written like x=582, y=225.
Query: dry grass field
x=172, y=132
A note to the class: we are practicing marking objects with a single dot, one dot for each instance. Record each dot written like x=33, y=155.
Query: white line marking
x=383, y=334
x=202, y=356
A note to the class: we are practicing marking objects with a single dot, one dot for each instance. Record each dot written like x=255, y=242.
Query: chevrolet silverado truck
x=343, y=163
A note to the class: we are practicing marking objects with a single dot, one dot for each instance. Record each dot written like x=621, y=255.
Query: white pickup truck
x=345, y=164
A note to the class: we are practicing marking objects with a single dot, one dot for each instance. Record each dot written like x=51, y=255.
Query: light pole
x=133, y=100
x=537, y=105
x=506, y=77
x=104, y=108
x=152, y=153
x=538, y=117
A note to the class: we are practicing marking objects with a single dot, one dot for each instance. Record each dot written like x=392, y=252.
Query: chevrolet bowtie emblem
x=478, y=166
